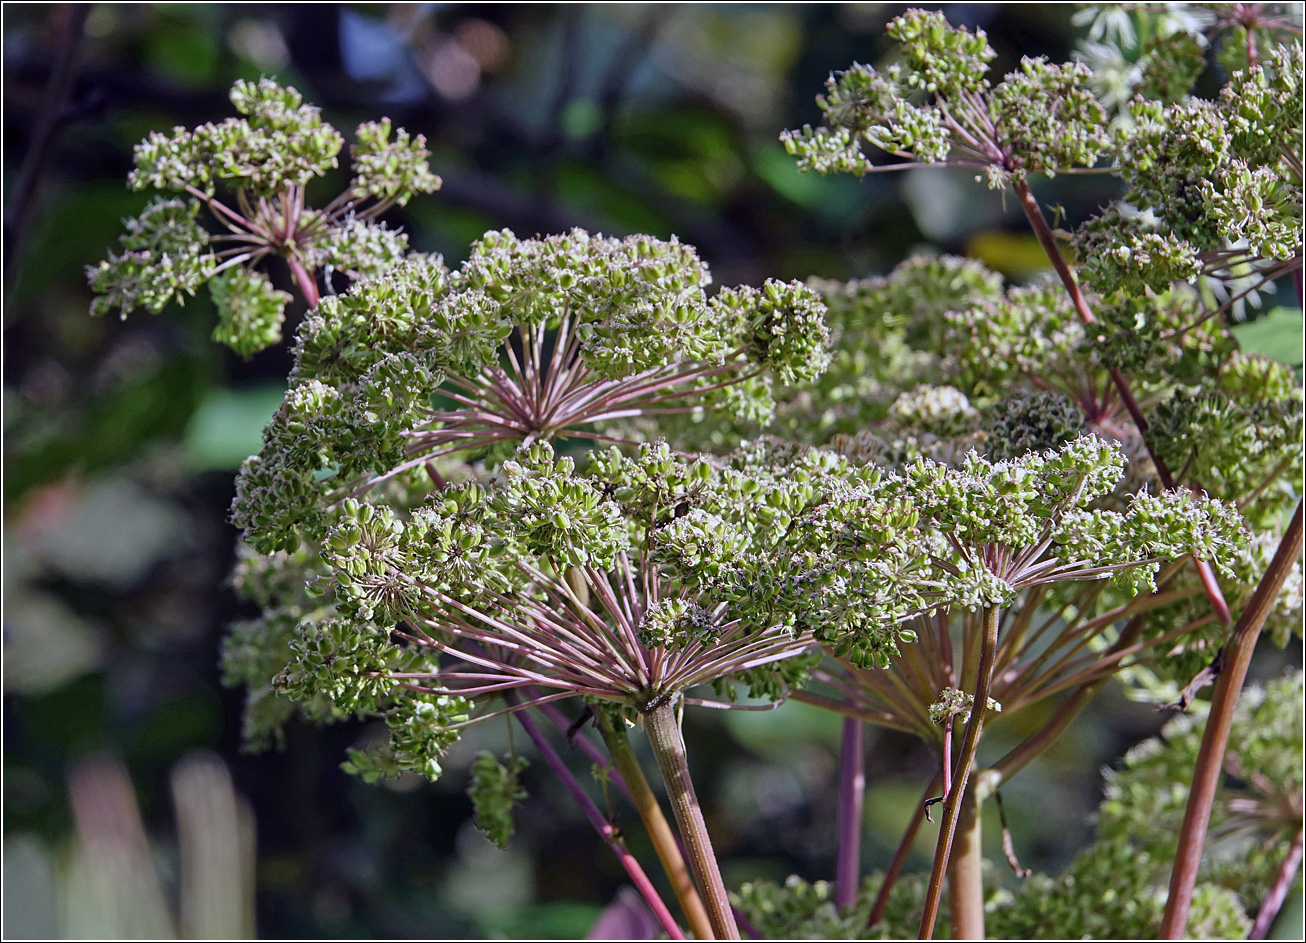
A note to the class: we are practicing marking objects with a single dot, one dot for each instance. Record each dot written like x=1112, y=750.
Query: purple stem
x=852, y=789
x=745, y=924
x=1279, y=892
x=597, y=756
x=601, y=825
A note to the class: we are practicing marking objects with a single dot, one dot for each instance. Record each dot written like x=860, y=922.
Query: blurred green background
x=122, y=750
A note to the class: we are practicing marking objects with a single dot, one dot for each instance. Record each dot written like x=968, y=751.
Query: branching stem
x=1034, y=215
x=607, y=831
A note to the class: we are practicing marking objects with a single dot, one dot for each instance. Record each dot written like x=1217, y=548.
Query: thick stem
x=900, y=855
x=656, y=824
x=607, y=831
x=965, y=873
x=852, y=791
x=969, y=747
x=1279, y=892
x=1210, y=757
x=669, y=749
x=1034, y=215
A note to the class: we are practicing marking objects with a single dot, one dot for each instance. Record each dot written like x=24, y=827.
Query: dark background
x=122, y=437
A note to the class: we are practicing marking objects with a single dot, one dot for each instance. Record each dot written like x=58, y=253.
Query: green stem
x=1210, y=756
x=965, y=873
x=655, y=823
x=669, y=749
x=969, y=748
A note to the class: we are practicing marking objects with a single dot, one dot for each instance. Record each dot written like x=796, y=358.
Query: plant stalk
x=1034, y=215
x=656, y=824
x=1279, y=892
x=607, y=831
x=303, y=279
x=965, y=873
x=901, y=854
x=1210, y=757
x=852, y=792
x=969, y=748
x=669, y=749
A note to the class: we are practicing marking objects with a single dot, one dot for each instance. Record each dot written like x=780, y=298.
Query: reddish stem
x=307, y=286
x=606, y=830
x=852, y=790
x=1210, y=757
x=969, y=748
x=1279, y=892
x=1037, y=222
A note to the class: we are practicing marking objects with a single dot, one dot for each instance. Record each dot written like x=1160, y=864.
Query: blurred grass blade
x=112, y=890
x=216, y=832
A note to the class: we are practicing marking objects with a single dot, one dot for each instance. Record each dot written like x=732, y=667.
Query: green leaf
x=227, y=427
x=1277, y=335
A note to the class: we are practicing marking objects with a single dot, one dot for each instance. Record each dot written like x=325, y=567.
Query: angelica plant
x=1213, y=193
x=628, y=589
x=1044, y=119
x=530, y=341
x=251, y=174
x=983, y=497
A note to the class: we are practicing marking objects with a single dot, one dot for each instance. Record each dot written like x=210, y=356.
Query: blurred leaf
x=175, y=725
x=116, y=426
x=895, y=801
x=581, y=118
x=76, y=228
x=111, y=888
x=772, y=734
x=596, y=195
x=216, y=831
x=1291, y=920
x=46, y=644
x=560, y=920
x=29, y=889
x=488, y=884
x=184, y=51
x=1277, y=335
x=1016, y=255
x=838, y=199
x=227, y=427
x=109, y=531
x=71, y=719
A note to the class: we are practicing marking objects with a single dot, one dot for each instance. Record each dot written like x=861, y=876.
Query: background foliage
x=122, y=439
